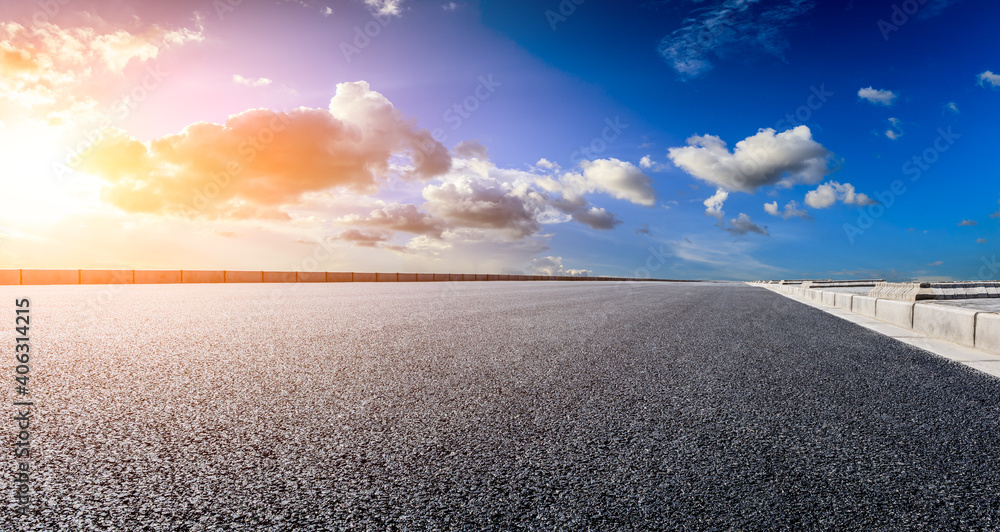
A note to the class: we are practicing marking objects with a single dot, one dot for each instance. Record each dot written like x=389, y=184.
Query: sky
x=680, y=139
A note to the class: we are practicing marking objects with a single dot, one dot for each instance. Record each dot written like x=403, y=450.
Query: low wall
x=58, y=277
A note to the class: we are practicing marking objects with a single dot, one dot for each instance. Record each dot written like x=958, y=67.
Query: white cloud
x=450, y=6
x=831, y=192
x=952, y=107
x=471, y=149
x=327, y=11
x=385, y=7
x=968, y=223
x=546, y=164
x=895, y=129
x=646, y=162
x=713, y=205
x=877, y=96
x=731, y=28
x=767, y=158
x=554, y=266
x=792, y=210
x=990, y=79
x=619, y=179
x=259, y=82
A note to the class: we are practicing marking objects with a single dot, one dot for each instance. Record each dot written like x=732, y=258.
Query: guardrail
x=965, y=326
x=64, y=277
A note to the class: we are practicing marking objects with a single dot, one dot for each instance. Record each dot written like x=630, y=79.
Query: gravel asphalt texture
x=491, y=406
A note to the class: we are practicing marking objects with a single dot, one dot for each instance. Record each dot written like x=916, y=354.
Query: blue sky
x=730, y=139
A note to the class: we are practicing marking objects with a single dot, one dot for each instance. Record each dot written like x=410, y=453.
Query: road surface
x=481, y=406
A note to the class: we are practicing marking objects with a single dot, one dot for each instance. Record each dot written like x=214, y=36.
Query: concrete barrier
x=233, y=276
x=364, y=277
x=203, y=276
x=310, y=277
x=863, y=305
x=988, y=332
x=491, y=277
x=157, y=277
x=278, y=277
x=482, y=277
x=50, y=276
x=406, y=277
x=843, y=300
x=948, y=323
x=438, y=277
x=425, y=277
x=339, y=277
x=10, y=277
x=106, y=276
x=829, y=298
x=385, y=277
x=468, y=277
x=895, y=312
x=455, y=277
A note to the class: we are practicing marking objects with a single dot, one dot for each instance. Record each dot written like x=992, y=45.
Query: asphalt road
x=489, y=406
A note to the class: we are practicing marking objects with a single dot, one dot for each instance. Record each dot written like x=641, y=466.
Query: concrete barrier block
x=468, y=277
x=10, y=277
x=310, y=277
x=843, y=301
x=442, y=277
x=50, y=276
x=863, y=305
x=988, y=332
x=947, y=323
x=455, y=277
x=106, y=276
x=157, y=277
x=491, y=277
x=278, y=277
x=895, y=312
x=829, y=298
x=203, y=276
x=364, y=277
x=406, y=277
x=244, y=276
x=385, y=278
x=503, y=277
x=482, y=277
x=339, y=277
x=425, y=277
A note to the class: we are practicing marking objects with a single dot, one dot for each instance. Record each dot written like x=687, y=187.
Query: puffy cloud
x=646, y=162
x=968, y=223
x=469, y=202
x=259, y=82
x=619, y=179
x=546, y=164
x=742, y=225
x=877, y=96
x=261, y=158
x=952, y=107
x=989, y=79
x=554, y=266
x=399, y=217
x=713, y=205
x=767, y=158
x=731, y=28
x=831, y=192
x=791, y=210
x=60, y=74
x=385, y=7
x=368, y=239
x=580, y=211
x=471, y=149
